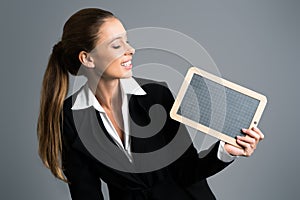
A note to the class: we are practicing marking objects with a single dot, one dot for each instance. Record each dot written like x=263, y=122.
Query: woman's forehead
x=111, y=29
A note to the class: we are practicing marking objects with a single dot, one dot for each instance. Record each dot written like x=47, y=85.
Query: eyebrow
x=116, y=38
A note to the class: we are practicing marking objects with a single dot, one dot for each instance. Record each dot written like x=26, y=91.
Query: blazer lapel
x=141, y=124
x=93, y=141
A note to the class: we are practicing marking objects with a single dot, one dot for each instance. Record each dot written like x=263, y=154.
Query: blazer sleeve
x=190, y=167
x=83, y=182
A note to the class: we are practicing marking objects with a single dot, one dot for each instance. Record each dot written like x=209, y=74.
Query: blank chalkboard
x=217, y=106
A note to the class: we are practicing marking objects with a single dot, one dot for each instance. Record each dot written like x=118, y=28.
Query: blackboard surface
x=216, y=106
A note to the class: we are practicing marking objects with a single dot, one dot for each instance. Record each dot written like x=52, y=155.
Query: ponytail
x=54, y=90
x=80, y=33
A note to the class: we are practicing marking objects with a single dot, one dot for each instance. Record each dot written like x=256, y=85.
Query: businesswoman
x=96, y=132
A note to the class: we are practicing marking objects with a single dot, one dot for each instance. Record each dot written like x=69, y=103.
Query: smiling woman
x=112, y=55
x=101, y=118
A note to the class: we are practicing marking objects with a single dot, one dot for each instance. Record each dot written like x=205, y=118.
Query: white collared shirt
x=86, y=98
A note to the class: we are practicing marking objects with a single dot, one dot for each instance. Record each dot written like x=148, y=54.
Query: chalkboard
x=217, y=106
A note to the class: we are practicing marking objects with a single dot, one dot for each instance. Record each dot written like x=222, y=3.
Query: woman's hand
x=248, y=143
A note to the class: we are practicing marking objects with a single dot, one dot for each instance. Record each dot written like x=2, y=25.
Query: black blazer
x=88, y=153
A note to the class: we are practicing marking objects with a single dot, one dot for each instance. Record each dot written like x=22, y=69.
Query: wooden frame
x=224, y=137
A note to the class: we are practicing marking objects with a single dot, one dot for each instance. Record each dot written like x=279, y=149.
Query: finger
x=252, y=134
x=243, y=143
x=262, y=136
x=248, y=140
x=233, y=150
x=247, y=148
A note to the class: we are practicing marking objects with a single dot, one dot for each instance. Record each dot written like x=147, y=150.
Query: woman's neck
x=107, y=93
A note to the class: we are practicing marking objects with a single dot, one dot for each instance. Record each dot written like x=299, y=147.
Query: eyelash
x=118, y=46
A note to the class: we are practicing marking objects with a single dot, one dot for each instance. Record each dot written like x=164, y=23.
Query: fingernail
x=244, y=130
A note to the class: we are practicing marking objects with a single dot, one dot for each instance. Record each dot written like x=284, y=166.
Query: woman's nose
x=129, y=49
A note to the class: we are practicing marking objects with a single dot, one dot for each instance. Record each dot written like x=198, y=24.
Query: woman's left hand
x=248, y=143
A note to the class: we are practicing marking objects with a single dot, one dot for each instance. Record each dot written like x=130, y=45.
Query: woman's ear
x=86, y=59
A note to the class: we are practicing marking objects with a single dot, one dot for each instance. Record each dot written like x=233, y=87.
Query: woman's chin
x=128, y=74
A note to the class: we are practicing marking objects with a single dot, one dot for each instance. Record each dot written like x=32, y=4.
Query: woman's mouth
x=127, y=64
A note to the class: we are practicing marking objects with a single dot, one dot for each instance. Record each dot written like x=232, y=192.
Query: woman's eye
x=116, y=46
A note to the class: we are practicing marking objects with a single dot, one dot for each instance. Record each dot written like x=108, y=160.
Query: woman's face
x=112, y=55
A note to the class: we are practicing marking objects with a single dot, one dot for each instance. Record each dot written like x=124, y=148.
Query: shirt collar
x=85, y=97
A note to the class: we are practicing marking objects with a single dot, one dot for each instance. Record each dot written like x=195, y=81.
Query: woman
x=95, y=133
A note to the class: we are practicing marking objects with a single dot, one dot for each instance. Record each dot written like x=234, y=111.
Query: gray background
x=254, y=43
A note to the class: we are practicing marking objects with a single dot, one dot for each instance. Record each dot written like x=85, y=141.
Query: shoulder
x=144, y=82
x=157, y=92
x=67, y=124
x=69, y=101
x=152, y=86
